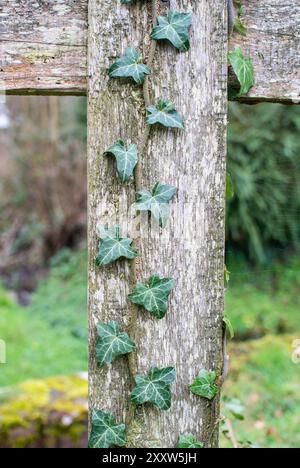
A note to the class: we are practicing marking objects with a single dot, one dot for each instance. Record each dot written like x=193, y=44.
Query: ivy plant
x=130, y=66
x=114, y=247
x=154, y=295
x=205, y=385
x=229, y=187
x=157, y=202
x=239, y=26
x=105, y=431
x=189, y=441
x=127, y=159
x=164, y=114
x=243, y=68
x=154, y=388
x=174, y=28
x=229, y=326
x=111, y=343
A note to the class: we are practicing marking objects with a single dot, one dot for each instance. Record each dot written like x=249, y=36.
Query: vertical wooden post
x=191, y=248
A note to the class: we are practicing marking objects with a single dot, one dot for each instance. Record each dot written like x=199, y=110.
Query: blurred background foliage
x=43, y=268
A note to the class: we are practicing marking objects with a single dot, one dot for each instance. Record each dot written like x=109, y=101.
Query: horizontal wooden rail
x=43, y=48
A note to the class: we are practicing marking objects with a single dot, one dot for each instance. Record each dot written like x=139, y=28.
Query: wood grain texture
x=191, y=248
x=43, y=47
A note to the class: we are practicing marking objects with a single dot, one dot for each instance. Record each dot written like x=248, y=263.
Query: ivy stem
x=132, y=362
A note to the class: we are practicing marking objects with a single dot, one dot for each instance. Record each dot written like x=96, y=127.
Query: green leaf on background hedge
x=204, y=385
x=243, y=68
x=127, y=159
x=154, y=388
x=112, y=342
x=130, y=66
x=174, y=28
x=156, y=202
x=189, y=441
x=164, y=114
x=106, y=432
x=154, y=295
x=113, y=247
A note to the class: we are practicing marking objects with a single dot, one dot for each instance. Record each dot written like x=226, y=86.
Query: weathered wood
x=43, y=47
x=191, y=248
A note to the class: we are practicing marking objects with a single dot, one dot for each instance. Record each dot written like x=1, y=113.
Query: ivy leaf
x=154, y=295
x=204, y=385
x=229, y=326
x=229, y=187
x=164, y=114
x=174, y=28
x=154, y=388
x=189, y=441
x=111, y=343
x=106, y=432
x=156, y=202
x=235, y=407
x=130, y=66
x=243, y=68
x=239, y=26
x=113, y=247
x=126, y=159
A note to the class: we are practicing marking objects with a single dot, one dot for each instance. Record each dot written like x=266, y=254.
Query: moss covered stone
x=50, y=413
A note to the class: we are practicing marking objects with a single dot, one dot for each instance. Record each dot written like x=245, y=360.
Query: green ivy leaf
x=229, y=326
x=154, y=295
x=243, y=68
x=174, y=28
x=111, y=343
x=113, y=247
x=156, y=202
x=164, y=114
x=235, y=407
x=204, y=385
x=130, y=66
x=189, y=441
x=106, y=432
x=126, y=159
x=154, y=388
x=229, y=187
x=239, y=26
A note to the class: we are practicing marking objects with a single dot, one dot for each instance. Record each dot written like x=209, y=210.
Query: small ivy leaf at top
x=154, y=295
x=130, y=66
x=114, y=247
x=106, y=432
x=205, y=385
x=239, y=26
x=174, y=28
x=164, y=114
x=127, y=159
x=189, y=441
x=243, y=68
x=112, y=342
x=156, y=202
x=154, y=388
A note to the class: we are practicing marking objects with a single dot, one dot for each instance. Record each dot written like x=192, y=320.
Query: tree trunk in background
x=191, y=248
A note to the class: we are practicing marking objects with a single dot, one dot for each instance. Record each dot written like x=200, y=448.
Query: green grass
x=264, y=378
x=49, y=337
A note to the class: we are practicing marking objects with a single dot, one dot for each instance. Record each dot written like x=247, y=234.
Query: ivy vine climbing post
x=181, y=167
